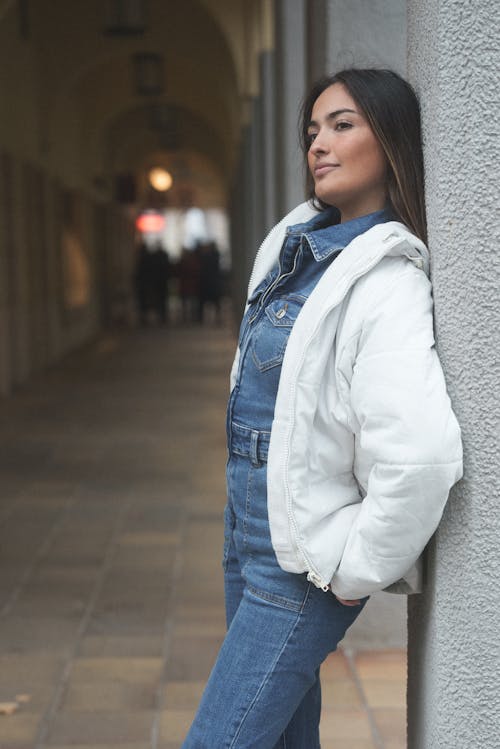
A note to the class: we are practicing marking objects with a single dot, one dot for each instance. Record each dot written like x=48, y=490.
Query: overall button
x=282, y=312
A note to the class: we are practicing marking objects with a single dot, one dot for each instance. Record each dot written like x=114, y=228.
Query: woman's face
x=346, y=160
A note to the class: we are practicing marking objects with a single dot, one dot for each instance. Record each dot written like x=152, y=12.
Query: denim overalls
x=264, y=691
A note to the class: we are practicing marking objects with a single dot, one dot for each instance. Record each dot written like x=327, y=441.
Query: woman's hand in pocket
x=347, y=603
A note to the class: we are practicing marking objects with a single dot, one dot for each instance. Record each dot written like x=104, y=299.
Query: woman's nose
x=318, y=145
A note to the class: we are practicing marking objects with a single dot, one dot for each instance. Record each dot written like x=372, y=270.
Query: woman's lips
x=321, y=169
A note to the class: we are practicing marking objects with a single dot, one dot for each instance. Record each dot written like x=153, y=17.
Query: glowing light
x=160, y=179
x=150, y=222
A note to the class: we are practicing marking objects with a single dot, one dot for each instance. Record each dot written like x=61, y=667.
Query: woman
x=342, y=442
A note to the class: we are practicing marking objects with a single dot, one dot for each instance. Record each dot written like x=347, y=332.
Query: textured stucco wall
x=454, y=686
x=291, y=69
x=366, y=33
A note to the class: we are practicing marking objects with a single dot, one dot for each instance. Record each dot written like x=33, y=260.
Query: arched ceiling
x=86, y=82
x=176, y=139
x=169, y=127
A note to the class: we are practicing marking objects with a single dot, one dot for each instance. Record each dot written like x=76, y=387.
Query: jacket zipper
x=318, y=582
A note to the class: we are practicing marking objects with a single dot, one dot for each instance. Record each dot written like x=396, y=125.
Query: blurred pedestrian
x=188, y=272
x=160, y=265
x=152, y=272
x=142, y=282
x=210, y=288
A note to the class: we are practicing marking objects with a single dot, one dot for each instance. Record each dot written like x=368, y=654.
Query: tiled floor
x=112, y=489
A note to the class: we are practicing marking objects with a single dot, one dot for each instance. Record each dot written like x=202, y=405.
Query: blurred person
x=160, y=266
x=210, y=288
x=142, y=282
x=188, y=272
x=151, y=275
x=342, y=442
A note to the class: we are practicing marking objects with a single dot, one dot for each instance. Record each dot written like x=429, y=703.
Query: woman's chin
x=326, y=198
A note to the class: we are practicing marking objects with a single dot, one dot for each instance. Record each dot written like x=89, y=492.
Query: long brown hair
x=391, y=108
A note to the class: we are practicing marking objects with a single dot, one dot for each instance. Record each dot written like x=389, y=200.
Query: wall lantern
x=148, y=71
x=125, y=17
x=163, y=120
x=160, y=179
x=23, y=18
x=162, y=117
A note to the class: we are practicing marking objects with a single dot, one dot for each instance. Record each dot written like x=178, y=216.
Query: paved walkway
x=112, y=490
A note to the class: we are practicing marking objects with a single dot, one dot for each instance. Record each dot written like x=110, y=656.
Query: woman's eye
x=343, y=125
x=311, y=137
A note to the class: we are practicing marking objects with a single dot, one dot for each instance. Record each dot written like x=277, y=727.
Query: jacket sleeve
x=407, y=440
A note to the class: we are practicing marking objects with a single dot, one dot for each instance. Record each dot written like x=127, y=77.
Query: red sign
x=150, y=222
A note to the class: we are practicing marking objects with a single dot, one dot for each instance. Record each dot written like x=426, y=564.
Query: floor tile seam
x=169, y=627
x=65, y=673
x=41, y=553
x=376, y=736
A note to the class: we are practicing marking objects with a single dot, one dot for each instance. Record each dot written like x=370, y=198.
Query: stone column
x=269, y=186
x=317, y=22
x=21, y=365
x=256, y=174
x=5, y=276
x=291, y=70
x=268, y=113
x=244, y=235
x=53, y=214
x=453, y=683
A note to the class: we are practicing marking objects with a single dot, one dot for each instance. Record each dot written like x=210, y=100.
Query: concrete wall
x=453, y=689
x=18, y=85
x=366, y=33
x=37, y=327
x=291, y=70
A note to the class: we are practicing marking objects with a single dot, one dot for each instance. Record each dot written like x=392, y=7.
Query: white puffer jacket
x=364, y=444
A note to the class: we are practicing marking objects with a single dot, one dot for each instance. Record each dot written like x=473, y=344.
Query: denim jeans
x=264, y=691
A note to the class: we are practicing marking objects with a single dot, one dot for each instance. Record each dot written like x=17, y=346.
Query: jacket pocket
x=271, y=335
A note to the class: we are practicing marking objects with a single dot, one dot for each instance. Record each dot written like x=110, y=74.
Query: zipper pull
x=317, y=581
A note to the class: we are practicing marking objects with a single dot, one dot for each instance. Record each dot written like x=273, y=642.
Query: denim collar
x=325, y=235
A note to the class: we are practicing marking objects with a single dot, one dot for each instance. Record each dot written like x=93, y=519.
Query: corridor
x=111, y=612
